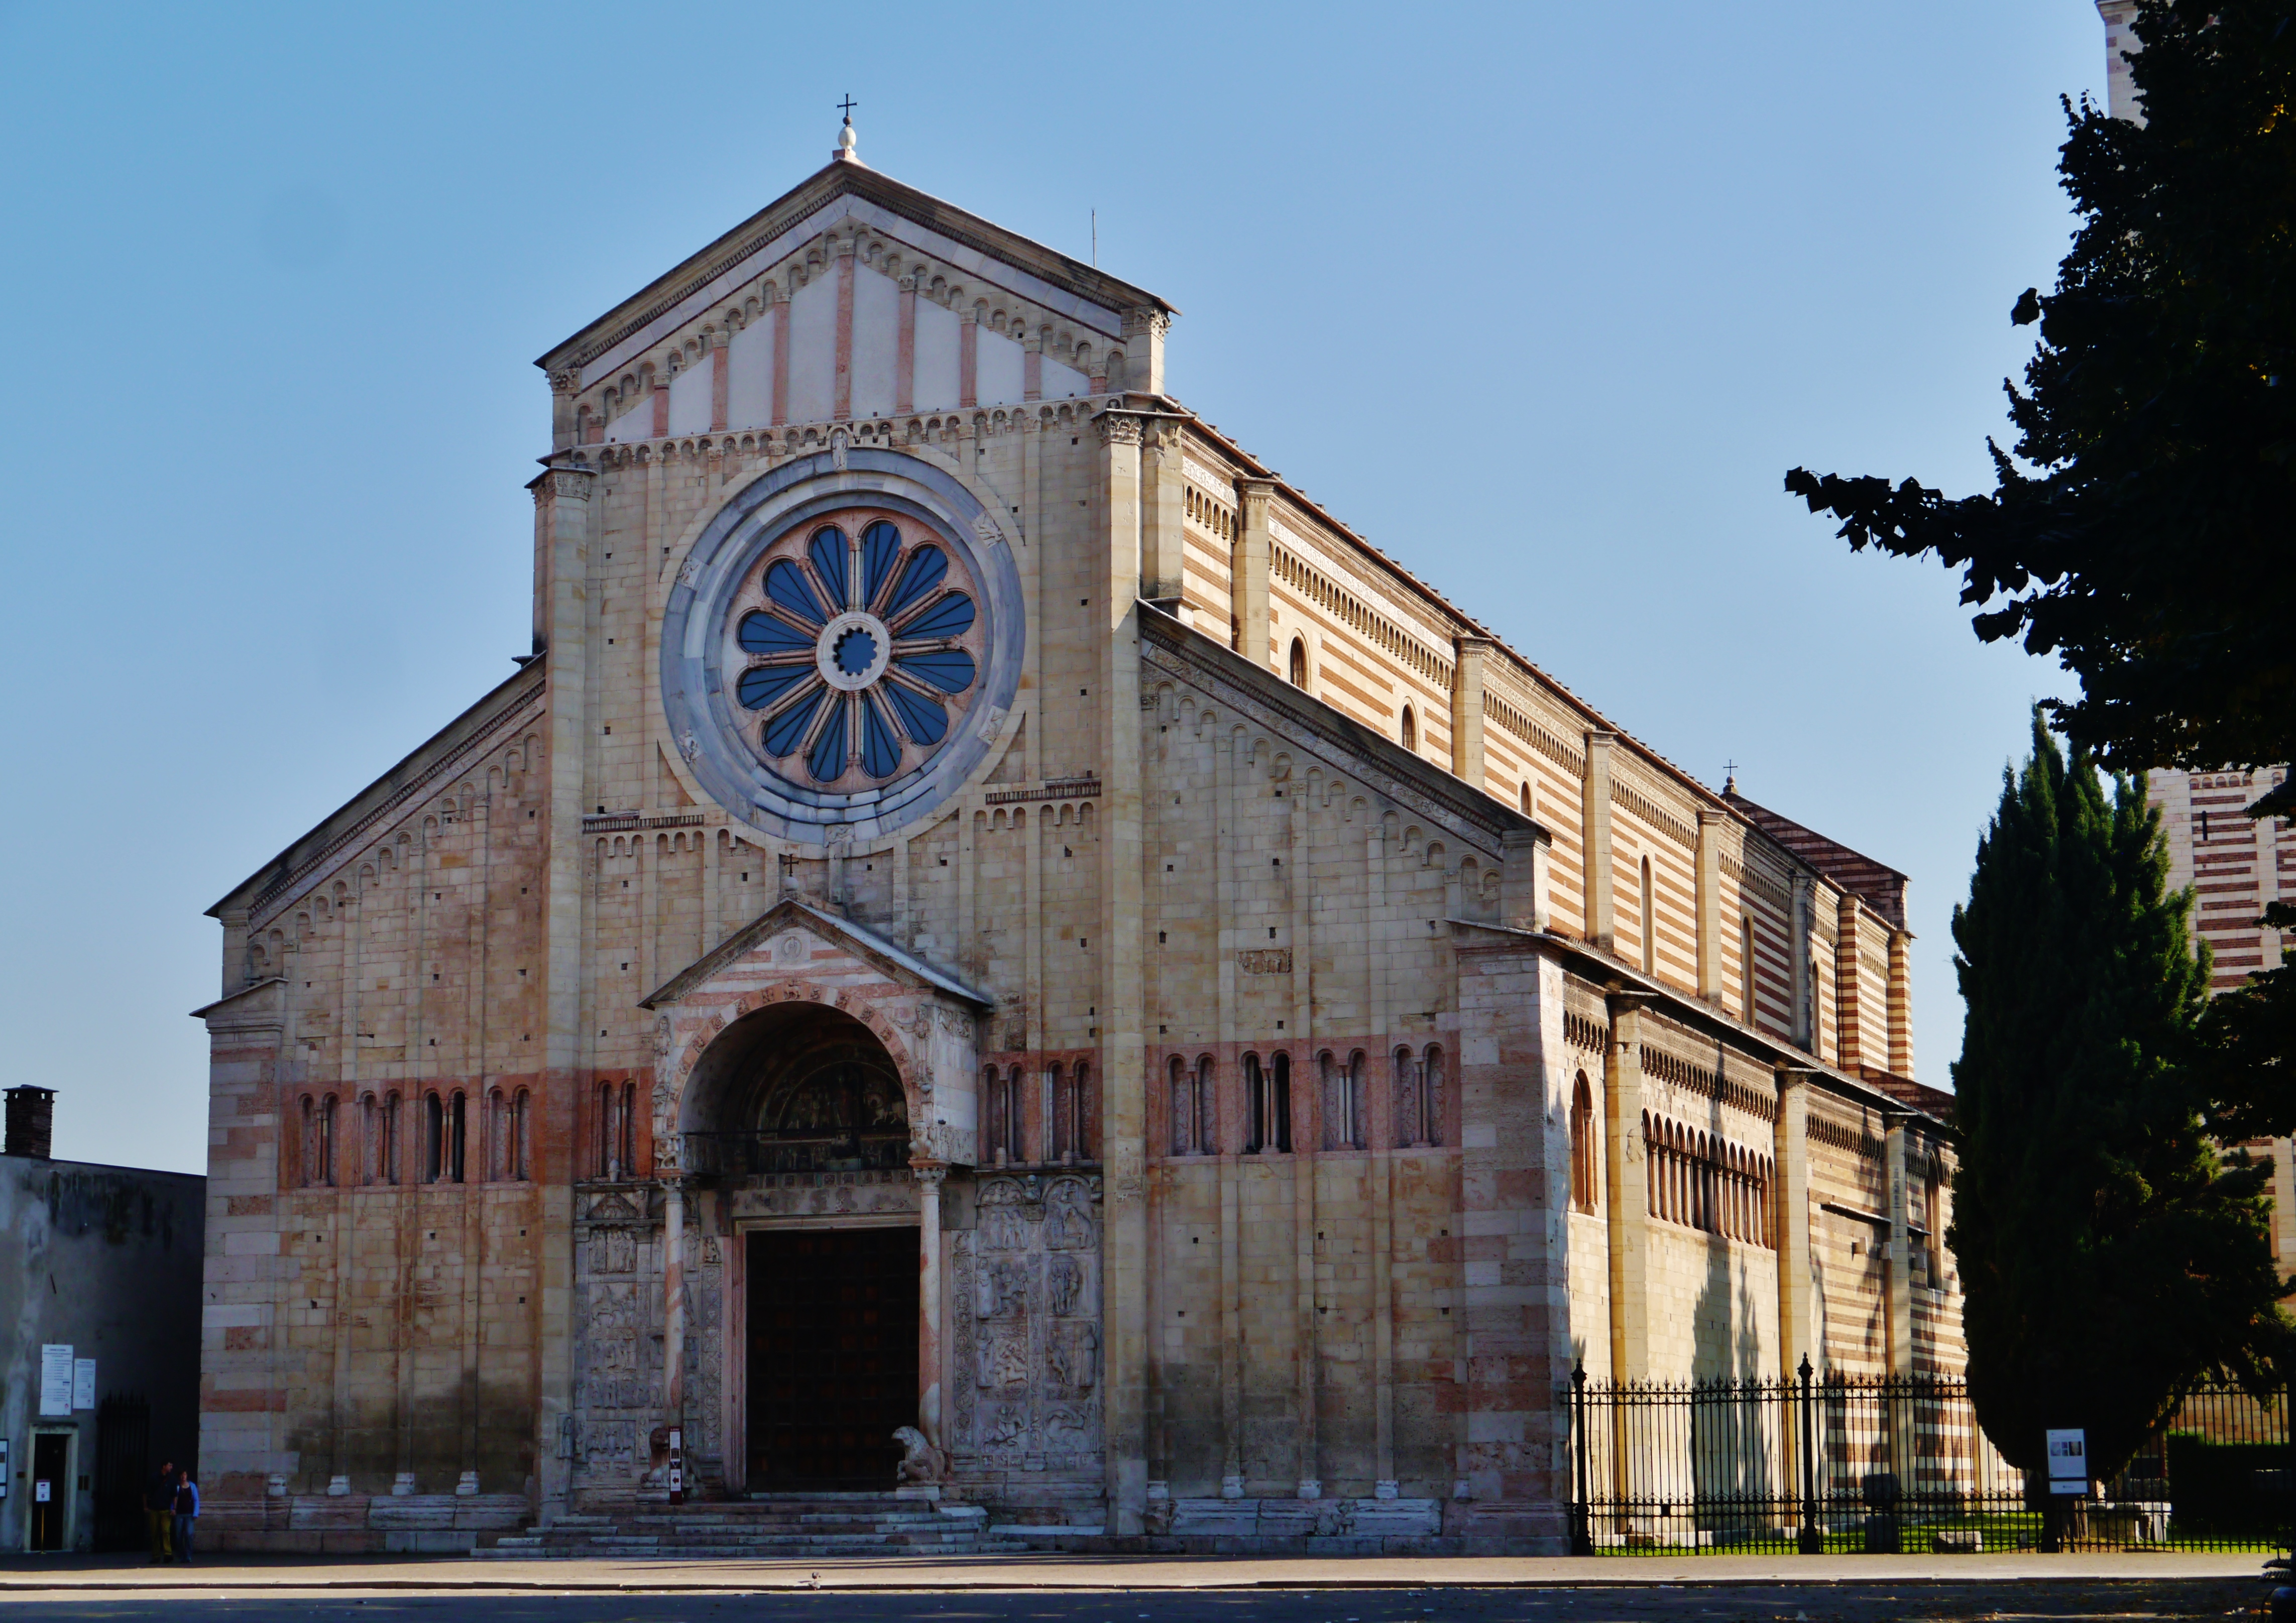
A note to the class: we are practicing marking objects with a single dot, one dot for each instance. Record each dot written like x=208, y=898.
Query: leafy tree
x=2149, y=537
x=2109, y=1254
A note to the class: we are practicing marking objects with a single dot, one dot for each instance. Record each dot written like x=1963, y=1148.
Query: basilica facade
x=986, y=914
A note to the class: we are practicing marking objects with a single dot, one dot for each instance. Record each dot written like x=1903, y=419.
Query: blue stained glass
x=827, y=760
x=831, y=561
x=881, y=547
x=786, y=730
x=761, y=633
x=766, y=684
x=952, y=616
x=854, y=652
x=923, y=720
x=951, y=670
x=785, y=585
x=927, y=565
x=881, y=749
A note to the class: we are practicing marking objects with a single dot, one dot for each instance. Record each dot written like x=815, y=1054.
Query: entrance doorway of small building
x=833, y=1331
x=51, y=1488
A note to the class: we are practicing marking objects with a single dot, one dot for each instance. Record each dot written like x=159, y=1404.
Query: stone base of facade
x=361, y=1524
x=1312, y=1527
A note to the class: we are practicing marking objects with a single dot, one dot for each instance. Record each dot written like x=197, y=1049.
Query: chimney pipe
x=30, y=1123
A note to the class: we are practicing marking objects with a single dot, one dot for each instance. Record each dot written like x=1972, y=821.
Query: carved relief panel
x=617, y=1377
x=1026, y=1341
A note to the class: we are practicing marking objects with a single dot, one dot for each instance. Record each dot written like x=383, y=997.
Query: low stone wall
x=1259, y=1527
x=361, y=1524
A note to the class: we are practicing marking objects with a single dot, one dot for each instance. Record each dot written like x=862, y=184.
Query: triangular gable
x=841, y=191
x=864, y=943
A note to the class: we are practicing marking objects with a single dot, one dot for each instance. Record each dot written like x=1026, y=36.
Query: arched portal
x=792, y=1113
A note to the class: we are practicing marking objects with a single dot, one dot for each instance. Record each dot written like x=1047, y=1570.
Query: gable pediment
x=765, y=295
x=786, y=937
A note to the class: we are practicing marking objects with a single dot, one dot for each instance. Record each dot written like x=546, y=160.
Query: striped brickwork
x=455, y=1249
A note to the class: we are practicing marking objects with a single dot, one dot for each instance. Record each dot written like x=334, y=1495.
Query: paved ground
x=1072, y=1590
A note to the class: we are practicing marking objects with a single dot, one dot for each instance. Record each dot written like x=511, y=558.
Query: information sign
x=83, y=1383
x=56, y=1380
x=2068, y=1461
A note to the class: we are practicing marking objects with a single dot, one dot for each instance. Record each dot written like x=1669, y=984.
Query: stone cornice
x=811, y=196
x=1476, y=937
x=1378, y=763
x=291, y=874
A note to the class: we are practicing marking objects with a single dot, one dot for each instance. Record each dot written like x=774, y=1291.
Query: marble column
x=929, y=1300
x=673, y=1299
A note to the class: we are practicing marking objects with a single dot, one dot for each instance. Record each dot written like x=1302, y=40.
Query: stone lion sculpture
x=921, y=1462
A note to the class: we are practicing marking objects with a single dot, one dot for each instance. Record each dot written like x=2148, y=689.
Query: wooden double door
x=832, y=1356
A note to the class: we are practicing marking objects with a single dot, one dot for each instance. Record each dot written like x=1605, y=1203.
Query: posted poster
x=56, y=1380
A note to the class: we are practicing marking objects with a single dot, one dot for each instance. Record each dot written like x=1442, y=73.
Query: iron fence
x=1898, y=1464
x=742, y=1154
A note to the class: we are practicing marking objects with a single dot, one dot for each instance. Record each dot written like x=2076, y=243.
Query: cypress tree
x=2110, y=1255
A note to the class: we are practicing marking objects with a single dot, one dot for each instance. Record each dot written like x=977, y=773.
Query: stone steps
x=780, y=1526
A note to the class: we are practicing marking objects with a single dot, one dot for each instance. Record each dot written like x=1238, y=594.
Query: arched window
x=1182, y=1095
x=497, y=1136
x=1582, y=1145
x=1070, y=1141
x=370, y=1124
x=1004, y=1139
x=394, y=1169
x=1267, y=1093
x=1431, y=1097
x=1528, y=804
x=1342, y=1100
x=1208, y=1132
x=626, y=1118
x=521, y=1137
x=1255, y=1101
x=458, y=1111
x=610, y=1137
x=1298, y=662
x=1650, y=924
x=1407, y=1100
x=306, y=1141
x=1410, y=733
x=1933, y=1227
x=1746, y=969
x=434, y=1137
x=1650, y=1167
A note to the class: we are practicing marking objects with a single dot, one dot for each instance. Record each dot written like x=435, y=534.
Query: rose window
x=857, y=640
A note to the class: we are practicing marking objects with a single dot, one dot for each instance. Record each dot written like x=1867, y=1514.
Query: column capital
x=1118, y=428
x=566, y=381
x=570, y=482
x=929, y=1174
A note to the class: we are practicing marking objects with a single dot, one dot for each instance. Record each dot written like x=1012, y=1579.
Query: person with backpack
x=186, y=1513
x=160, y=1510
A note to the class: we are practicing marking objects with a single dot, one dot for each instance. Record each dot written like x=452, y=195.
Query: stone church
x=689, y=1067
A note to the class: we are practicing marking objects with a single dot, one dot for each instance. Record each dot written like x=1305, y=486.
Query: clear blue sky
x=1542, y=298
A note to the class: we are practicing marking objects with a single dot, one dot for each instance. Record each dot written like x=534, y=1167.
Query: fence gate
x=123, y=1446
x=1891, y=1464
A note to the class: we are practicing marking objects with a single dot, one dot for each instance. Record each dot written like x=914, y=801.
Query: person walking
x=187, y=1511
x=160, y=1510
